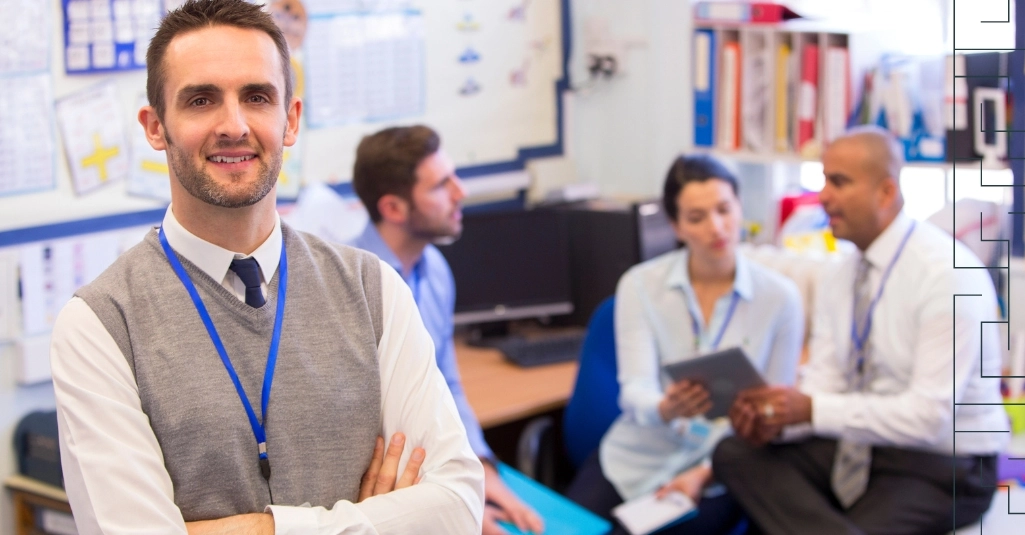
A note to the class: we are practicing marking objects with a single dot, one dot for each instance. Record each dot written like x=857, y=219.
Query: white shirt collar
x=213, y=259
x=880, y=252
x=679, y=277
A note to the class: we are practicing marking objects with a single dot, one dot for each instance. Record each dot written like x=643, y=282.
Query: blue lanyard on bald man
x=859, y=337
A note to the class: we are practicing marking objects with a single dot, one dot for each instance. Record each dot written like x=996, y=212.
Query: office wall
x=623, y=132
x=529, y=46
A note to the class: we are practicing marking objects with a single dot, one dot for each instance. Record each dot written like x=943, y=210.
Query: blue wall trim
x=113, y=222
x=83, y=226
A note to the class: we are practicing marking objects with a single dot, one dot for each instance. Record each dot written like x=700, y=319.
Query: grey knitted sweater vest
x=325, y=406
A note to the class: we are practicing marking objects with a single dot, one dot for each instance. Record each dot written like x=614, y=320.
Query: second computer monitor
x=511, y=265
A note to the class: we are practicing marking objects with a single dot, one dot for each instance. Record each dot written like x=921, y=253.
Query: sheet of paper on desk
x=561, y=516
x=647, y=513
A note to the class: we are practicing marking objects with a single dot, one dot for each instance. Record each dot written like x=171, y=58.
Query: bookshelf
x=767, y=93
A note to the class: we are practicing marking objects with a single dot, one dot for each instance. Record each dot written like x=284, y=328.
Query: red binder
x=807, y=100
x=743, y=12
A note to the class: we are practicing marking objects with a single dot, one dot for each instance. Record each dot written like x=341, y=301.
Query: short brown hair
x=386, y=163
x=198, y=14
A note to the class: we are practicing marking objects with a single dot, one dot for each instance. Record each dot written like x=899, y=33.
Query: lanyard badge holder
x=697, y=429
x=859, y=338
x=257, y=424
x=696, y=329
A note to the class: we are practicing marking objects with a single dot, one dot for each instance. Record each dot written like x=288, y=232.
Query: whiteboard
x=515, y=115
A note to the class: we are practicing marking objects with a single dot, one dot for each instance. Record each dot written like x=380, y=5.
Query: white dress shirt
x=655, y=304
x=113, y=466
x=924, y=349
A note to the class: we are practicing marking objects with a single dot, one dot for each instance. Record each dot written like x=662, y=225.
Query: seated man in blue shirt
x=412, y=194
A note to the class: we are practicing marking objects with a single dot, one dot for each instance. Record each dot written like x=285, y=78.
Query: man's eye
x=258, y=99
x=201, y=101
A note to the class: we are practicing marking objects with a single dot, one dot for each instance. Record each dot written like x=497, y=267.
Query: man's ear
x=889, y=188
x=294, y=112
x=153, y=127
x=393, y=208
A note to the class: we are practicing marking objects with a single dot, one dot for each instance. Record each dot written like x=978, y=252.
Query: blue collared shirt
x=434, y=290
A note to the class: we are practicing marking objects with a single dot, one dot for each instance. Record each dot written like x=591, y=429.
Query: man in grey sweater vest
x=230, y=374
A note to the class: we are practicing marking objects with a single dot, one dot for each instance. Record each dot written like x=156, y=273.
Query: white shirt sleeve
x=787, y=337
x=637, y=359
x=416, y=401
x=114, y=468
x=823, y=373
x=922, y=414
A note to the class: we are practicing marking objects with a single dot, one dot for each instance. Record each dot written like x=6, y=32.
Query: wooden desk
x=500, y=392
x=29, y=495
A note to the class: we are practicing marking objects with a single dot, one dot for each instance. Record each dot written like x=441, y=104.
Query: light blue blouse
x=655, y=308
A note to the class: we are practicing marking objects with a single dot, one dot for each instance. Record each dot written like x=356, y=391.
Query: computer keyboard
x=536, y=350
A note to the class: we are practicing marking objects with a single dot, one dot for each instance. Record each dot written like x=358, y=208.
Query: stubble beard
x=202, y=186
x=440, y=233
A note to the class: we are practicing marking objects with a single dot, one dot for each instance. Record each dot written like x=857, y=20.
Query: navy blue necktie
x=248, y=270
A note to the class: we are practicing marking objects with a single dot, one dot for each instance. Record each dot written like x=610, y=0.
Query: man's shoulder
x=937, y=259
x=767, y=281
x=128, y=266
x=435, y=261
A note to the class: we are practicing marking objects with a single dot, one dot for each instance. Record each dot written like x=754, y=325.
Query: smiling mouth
x=229, y=159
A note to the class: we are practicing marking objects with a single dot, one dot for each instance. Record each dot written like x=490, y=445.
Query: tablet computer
x=723, y=373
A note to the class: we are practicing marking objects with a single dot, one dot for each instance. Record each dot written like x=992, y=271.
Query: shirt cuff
x=794, y=433
x=828, y=414
x=646, y=411
x=304, y=520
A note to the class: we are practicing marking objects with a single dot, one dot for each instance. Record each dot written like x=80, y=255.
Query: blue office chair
x=594, y=404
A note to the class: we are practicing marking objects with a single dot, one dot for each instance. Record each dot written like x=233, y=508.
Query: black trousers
x=785, y=489
x=590, y=489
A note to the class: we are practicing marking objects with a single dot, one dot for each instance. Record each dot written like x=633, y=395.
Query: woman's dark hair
x=687, y=169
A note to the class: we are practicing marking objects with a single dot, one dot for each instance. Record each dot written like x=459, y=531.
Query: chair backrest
x=594, y=404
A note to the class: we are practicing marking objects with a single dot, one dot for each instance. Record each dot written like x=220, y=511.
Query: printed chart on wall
x=26, y=98
x=364, y=66
x=108, y=35
x=94, y=137
x=481, y=73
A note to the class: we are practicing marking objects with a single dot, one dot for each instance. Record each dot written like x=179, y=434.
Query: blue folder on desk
x=561, y=516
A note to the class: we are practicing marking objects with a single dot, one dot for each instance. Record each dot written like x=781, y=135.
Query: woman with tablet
x=684, y=304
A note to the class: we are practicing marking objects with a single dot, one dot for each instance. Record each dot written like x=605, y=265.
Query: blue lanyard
x=272, y=354
x=722, y=330
x=859, y=338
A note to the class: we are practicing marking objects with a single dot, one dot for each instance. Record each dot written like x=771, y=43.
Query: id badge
x=696, y=433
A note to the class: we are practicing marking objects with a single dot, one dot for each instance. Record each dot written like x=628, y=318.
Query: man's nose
x=232, y=124
x=458, y=189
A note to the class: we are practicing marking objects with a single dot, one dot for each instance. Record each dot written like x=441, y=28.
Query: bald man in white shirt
x=896, y=425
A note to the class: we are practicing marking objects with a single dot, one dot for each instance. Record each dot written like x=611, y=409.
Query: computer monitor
x=511, y=265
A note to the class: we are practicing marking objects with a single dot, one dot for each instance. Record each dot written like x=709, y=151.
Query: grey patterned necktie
x=853, y=460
